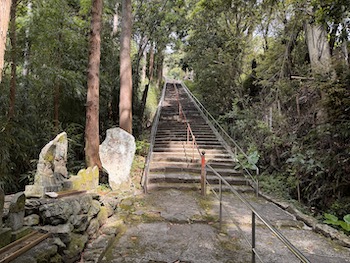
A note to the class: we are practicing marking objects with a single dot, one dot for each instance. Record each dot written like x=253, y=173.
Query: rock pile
x=72, y=220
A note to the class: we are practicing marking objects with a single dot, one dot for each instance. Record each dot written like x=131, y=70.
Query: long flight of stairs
x=172, y=164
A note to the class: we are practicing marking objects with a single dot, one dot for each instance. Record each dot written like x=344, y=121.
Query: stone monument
x=117, y=154
x=51, y=174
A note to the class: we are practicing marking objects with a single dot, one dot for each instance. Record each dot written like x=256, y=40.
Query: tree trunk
x=319, y=49
x=92, y=140
x=57, y=84
x=56, y=102
x=27, y=44
x=144, y=99
x=13, y=40
x=5, y=7
x=160, y=61
x=144, y=67
x=115, y=19
x=125, y=101
x=151, y=63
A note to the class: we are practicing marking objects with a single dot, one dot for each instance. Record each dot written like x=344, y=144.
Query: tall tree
x=5, y=7
x=13, y=37
x=92, y=141
x=125, y=101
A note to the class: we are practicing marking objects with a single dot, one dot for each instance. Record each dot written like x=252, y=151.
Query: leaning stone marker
x=51, y=171
x=16, y=211
x=117, y=153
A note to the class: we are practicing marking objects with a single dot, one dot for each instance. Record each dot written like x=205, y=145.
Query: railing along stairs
x=230, y=144
x=206, y=167
x=255, y=214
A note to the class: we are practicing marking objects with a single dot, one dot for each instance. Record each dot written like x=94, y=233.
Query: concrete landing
x=180, y=226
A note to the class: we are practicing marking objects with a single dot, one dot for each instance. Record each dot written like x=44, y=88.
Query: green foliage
x=248, y=163
x=142, y=147
x=333, y=220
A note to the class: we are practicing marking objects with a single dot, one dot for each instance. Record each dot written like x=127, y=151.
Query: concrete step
x=158, y=157
x=194, y=170
x=196, y=187
x=187, y=164
x=190, y=178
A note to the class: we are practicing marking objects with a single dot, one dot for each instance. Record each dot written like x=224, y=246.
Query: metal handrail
x=152, y=139
x=255, y=214
x=214, y=123
x=188, y=125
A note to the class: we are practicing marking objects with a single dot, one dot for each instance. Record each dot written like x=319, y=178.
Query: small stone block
x=34, y=191
x=15, y=220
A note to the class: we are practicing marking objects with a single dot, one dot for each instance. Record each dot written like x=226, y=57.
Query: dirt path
x=178, y=226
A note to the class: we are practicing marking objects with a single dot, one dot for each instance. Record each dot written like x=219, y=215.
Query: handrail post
x=220, y=212
x=193, y=141
x=188, y=134
x=257, y=182
x=203, y=175
x=253, y=237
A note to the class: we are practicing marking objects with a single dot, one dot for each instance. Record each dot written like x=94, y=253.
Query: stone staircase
x=176, y=163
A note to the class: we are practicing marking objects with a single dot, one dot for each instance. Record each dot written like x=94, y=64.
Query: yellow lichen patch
x=86, y=179
x=102, y=215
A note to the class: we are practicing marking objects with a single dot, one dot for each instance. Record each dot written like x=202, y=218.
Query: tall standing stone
x=117, y=154
x=51, y=171
x=16, y=211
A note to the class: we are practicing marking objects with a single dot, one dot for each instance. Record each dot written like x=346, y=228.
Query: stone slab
x=117, y=153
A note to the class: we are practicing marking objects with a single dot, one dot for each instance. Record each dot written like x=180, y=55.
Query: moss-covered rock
x=86, y=179
x=75, y=247
x=102, y=215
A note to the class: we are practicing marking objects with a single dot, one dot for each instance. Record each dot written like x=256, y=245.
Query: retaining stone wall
x=74, y=221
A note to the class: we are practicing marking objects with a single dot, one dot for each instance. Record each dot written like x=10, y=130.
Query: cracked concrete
x=180, y=226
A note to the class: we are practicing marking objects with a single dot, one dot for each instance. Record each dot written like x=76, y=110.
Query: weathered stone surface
x=75, y=247
x=86, y=179
x=14, y=210
x=92, y=255
x=117, y=153
x=85, y=202
x=94, y=208
x=31, y=220
x=56, y=213
x=110, y=211
x=51, y=170
x=80, y=222
x=17, y=202
x=60, y=245
x=15, y=220
x=102, y=215
x=61, y=231
x=92, y=230
x=109, y=201
x=43, y=252
x=100, y=242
